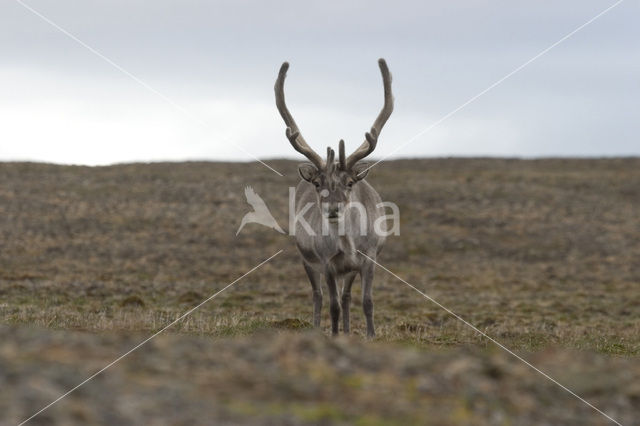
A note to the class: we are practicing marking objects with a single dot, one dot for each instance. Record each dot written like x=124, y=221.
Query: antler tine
x=331, y=156
x=371, y=137
x=292, y=132
x=341, y=157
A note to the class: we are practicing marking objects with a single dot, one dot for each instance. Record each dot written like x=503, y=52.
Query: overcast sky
x=213, y=65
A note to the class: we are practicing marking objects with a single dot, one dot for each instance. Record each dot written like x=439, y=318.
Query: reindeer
x=330, y=239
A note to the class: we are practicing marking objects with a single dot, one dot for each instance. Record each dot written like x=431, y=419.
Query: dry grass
x=534, y=252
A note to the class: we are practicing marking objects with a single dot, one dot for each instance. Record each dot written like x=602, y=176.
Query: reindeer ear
x=307, y=171
x=360, y=170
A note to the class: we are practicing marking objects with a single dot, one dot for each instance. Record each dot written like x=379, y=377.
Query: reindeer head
x=334, y=180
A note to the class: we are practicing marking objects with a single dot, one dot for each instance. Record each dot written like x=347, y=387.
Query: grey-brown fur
x=332, y=252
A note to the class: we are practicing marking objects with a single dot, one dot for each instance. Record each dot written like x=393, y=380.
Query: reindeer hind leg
x=346, y=300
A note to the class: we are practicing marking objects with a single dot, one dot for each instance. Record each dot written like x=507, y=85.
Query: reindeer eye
x=317, y=184
x=350, y=184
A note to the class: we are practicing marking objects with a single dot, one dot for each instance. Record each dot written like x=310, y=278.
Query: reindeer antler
x=292, y=132
x=371, y=137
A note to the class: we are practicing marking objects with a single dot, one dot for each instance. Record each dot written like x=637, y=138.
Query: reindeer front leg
x=316, y=288
x=334, y=303
x=366, y=273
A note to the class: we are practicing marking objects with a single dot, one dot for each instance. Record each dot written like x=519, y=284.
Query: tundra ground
x=541, y=254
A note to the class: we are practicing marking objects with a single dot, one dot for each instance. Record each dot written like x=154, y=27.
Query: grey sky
x=219, y=60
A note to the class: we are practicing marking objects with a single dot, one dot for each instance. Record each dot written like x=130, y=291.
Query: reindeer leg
x=366, y=274
x=316, y=288
x=346, y=300
x=334, y=303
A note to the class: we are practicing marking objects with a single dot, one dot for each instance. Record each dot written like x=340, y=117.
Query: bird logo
x=260, y=213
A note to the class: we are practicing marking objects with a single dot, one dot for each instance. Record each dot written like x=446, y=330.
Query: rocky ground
x=306, y=378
